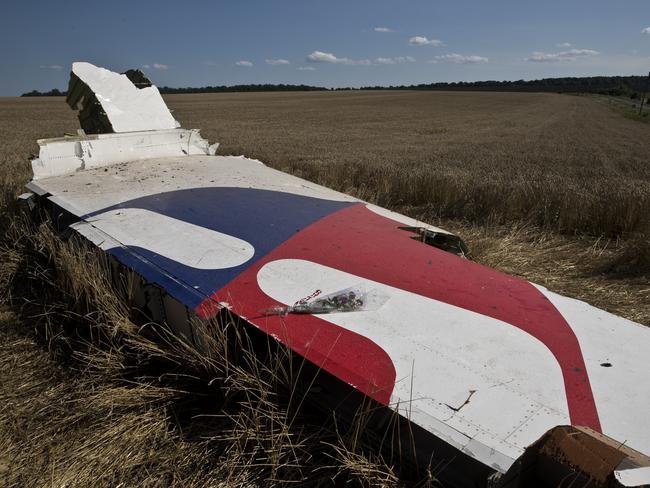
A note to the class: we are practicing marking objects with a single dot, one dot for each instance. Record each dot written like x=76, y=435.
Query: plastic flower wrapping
x=353, y=299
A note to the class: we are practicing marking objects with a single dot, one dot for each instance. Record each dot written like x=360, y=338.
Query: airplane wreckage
x=498, y=380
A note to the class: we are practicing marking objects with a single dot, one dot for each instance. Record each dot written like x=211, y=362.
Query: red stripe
x=360, y=242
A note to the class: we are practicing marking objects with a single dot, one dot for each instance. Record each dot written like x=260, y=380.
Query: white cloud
x=277, y=62
x=424, y=41
x=564, y=44
x=569, y=55
x=323, y=57
x=244, y=63
x=460, y=59
x=646, y=30
x=160, y=66
x=397, y=60
x=306, y=68
x=383, y=29
x=55, y=67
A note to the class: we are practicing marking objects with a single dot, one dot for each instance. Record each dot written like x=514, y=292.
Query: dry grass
x=552, y=188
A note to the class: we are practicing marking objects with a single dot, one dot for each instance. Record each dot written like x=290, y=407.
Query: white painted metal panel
x=502, y=363
x=128, y=108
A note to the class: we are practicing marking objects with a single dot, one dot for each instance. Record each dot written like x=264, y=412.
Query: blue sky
x=334, y=43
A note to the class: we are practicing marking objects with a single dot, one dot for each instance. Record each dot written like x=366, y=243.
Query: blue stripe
x=263, y=218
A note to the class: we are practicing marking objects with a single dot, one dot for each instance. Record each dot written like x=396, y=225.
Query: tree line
x=631, y=86
x=604, y=85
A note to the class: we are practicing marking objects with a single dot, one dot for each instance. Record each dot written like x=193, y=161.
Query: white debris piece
x=67, y=155
x=128, y=107
x=633, y=477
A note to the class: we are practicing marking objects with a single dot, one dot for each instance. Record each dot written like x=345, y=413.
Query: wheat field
x=553, y=188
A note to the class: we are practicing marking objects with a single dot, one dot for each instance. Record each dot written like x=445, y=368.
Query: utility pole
x=645, y=92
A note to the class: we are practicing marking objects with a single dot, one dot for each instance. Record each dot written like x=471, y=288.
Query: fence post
x=645, y=92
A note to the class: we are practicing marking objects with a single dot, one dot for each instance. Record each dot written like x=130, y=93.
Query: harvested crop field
x=554, y=188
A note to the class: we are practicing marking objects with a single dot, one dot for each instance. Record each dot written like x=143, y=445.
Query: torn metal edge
x=61, y=156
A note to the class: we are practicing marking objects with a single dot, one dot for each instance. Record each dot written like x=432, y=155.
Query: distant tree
x=52, y=93
x=240, y=88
